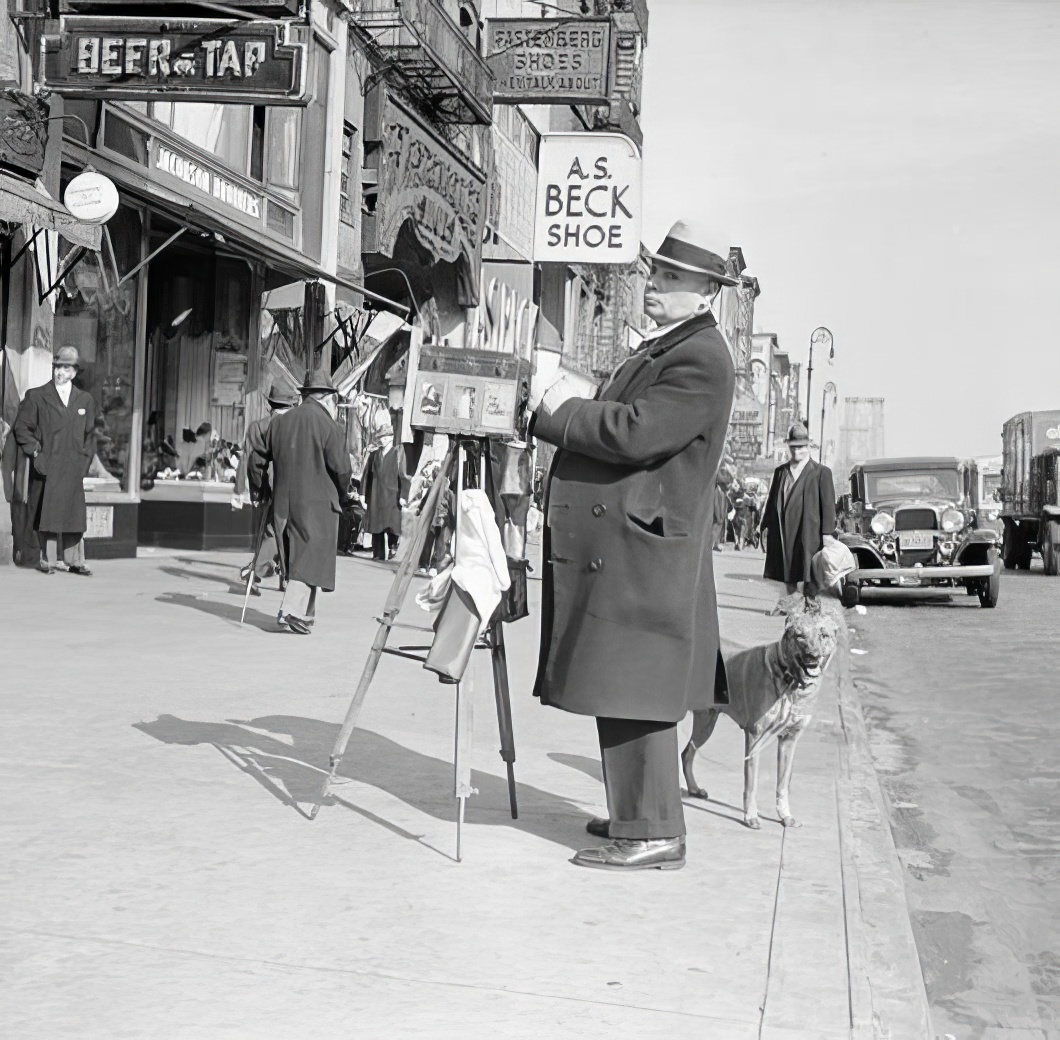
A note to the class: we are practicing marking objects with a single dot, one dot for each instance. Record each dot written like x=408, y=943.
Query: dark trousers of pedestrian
x=640, y=762
x=383, y=545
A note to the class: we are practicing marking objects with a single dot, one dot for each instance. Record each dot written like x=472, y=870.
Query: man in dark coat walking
x=281, y=399
x=55, y=427
x=799, y=517
x=629, y=628
x=311, y=475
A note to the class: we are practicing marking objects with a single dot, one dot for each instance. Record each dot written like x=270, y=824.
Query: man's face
x=798, y=452
x=673, y=294
x=62, y=374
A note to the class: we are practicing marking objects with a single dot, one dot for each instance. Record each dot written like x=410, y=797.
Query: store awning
x=22, y=203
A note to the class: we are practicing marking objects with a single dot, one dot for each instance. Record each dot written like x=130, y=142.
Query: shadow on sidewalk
x=292, y=771
x=227, y=611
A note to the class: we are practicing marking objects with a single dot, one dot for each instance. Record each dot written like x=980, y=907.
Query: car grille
x=915, y=520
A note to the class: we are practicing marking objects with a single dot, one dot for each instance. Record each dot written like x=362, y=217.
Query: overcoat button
x=599, y=510
x=596, y=565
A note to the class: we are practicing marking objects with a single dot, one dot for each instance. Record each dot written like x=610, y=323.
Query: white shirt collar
x=797, y=467
x=64, y=391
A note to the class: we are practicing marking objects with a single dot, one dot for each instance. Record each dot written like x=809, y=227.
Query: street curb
x=888, y=999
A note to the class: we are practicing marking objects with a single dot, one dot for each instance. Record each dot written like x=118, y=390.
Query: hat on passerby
x=798, y=435
x=67, y=356
x=319, y=382
x=281, y=396
x=686, y=247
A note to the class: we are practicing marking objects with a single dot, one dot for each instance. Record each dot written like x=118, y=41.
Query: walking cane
x=258, y=539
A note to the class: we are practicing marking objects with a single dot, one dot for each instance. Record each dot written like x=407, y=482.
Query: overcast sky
x=892, y=171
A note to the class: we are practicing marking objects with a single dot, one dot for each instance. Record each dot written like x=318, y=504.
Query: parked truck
x=1030, y=509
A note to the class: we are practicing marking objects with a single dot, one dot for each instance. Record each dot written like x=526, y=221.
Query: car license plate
x=916, y=540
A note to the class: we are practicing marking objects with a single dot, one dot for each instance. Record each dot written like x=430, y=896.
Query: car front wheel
x=851, y=595
x=990, y=588
x=1051, y=547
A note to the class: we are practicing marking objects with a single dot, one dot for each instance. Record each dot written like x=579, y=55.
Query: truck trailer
x=1030, y=509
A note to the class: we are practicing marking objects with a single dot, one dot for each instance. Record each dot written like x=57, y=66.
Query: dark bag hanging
x=513, y=605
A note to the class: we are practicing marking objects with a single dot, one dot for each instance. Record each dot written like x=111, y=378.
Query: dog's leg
x=750, y=785
x=703, y=723
x=785, y=762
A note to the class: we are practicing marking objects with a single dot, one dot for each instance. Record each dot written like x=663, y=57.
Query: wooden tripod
x=493, y=640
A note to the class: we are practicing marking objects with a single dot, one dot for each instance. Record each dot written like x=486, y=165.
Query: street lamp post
x=819, y=335
x=829, y=392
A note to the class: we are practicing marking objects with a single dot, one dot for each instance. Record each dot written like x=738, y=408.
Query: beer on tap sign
x=588, y=208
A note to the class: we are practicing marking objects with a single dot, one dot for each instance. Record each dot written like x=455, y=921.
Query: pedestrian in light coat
x=311, y=475
x=629, y=617
x=799, y=517
x=55, y=427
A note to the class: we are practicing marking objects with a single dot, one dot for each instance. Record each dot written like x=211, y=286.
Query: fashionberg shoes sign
x=550, y=61
x=207, y=60
x=588, y=208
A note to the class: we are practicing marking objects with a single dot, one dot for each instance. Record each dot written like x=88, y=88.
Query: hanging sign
x=91, y=197
x=588, y=207
x=205, y=60
x=550, y=61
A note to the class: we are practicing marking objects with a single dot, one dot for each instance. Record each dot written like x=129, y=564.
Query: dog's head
x=809, y=640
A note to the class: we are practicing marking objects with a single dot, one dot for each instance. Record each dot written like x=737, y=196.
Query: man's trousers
x=640, y=763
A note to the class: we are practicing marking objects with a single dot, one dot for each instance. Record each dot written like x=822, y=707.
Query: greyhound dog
x=772, y=691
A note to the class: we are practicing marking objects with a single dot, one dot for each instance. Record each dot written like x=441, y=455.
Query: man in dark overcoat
x=55, y=427
x=386, y=491
x=280, y=399
x=799, y=517
x=311, y=475
x=629, y=616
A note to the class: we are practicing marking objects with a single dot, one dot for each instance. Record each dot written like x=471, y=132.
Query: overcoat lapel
x=51, y=395
x=645, y=355
x=798, y=489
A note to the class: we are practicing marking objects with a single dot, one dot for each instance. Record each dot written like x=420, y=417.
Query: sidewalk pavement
x=161, y=879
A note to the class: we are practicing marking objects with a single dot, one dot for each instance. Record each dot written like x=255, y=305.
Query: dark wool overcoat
x=384, y=487
x=311, y=474
x=65, y=436
x=629, y=620
x=808, y=515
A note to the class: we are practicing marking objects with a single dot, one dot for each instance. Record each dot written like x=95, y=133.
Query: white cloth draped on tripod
x=480, y=568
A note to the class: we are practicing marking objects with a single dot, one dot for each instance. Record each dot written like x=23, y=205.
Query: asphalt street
x=961, y=708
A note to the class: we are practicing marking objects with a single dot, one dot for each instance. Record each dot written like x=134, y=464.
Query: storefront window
x=221, y=130
x=98, y=316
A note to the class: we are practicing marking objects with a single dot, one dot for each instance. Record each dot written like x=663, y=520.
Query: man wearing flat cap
x=55, y=427
x=280, y=399
x=629, y=616
x=311, y=474
x=799, y=517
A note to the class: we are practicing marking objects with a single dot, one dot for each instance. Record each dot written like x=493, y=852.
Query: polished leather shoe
x=633, y=854
x=599, y=827
x=79, y=568
x=298, y=626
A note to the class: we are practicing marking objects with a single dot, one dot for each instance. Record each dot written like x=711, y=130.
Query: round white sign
x=91, y=197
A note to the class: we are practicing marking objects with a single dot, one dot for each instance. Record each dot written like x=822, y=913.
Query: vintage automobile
x=914, y=523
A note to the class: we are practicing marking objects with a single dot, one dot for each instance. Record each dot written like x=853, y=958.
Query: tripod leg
x=499, y=660
x=395, y=598
x=462, y=788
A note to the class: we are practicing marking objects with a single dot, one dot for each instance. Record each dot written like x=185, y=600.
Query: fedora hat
x=797, y=435
x=319, y=382
x=66, y=356
x=281, y=396
x=686, y=247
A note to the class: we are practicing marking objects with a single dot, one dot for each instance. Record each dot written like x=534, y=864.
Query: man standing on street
x=629, y=625
x=281, y=399
x=386, y=490
x=799, y=518
x=55, y=427
x=311, y=475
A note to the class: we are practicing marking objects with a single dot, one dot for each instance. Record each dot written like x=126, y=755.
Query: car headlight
x=882, y=523
x=952, y=520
